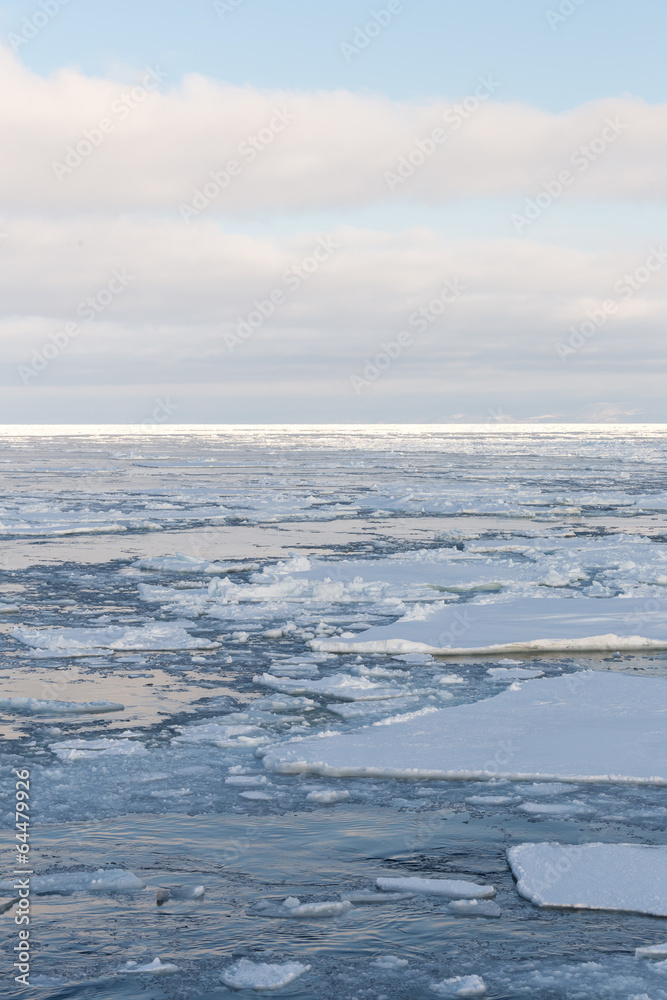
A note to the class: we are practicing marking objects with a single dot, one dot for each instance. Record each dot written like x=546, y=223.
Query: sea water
x=163, y=594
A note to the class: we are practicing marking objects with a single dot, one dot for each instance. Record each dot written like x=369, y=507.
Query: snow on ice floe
x=221, y=734
x=342, y=686
x=627, y=877
x=518, y=626
x=460, y=986
x=260, y=976
x=452, y=888
x=102, y=880
x=158, y=637
x=37, y=706
x=293, y=908
x=539, y=730
x=513, y=673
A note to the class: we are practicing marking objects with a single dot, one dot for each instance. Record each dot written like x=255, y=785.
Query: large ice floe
x=520, y=626
x=627, y=877
x=593, y=726
x=158, y=637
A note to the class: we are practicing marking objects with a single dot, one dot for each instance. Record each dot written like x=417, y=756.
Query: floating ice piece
x=519, y=626
x=181, y=563
x=658, y=951
x=452, y=888
x=474, y=908
x=102, y=880
x=490, y=800
x=85, y=749
x=159, y=637
x=460, y=986
x=283, y=703
x=560, y=808
x=513, y=673
x=359, y=709
x=179, y=892
x=221, y=735
x=391, y=963
x=539, y=730
x=37, y=706
x=247, y=975
x=327, y=798
x=627, y=877
x=345, y=687
x=9, y=609
x=328, y=908
x=156, y=967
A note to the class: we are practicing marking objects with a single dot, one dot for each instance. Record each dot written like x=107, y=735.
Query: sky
x=251, y=211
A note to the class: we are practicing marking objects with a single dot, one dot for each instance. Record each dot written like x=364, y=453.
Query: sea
x=164, y=594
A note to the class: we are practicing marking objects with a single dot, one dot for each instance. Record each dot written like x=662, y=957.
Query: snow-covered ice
x=627, y=877
x=655, y=951
x=160, y=637
x=155, y=968
x=40, y=706
x=541, y=729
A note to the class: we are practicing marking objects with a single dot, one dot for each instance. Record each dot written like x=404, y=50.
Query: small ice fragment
x=156, y=967
x=474, y=908
x=291, y=902
x=452, y=888
x=460, y=986
x=451, y=679
x=327, y=798
x=247, y=975
x=490, y=800
x=390, y=962
x=652, y=951
x=180, y=892
x=102, y=880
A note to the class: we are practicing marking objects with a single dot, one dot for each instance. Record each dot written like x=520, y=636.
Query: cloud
x=72, y=142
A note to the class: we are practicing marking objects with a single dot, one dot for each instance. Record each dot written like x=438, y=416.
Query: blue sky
x=361, y=87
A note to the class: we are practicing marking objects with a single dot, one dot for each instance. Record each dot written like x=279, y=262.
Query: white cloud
x=161, y=145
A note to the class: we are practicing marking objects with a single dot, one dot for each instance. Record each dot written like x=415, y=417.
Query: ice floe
x=627, y=877
x=452, y=888
x=259, y=976
x=460, y=986
x=342, y=686
x=539, y=730
x=474, y=908
x=518, y=626
x=656, y=951
x=64, y=883
x=75, y=749
x=158, y=637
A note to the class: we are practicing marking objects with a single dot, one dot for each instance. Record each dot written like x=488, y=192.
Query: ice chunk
x=37, y=706
x=627, y=877
x=102, y=880
x=328, y=908
x=81, y=749
x=247, y=975
x=156, y=967
x=221, y=735
x=181, y=563
x=283, y=703
x=542, y=729
x=513, y=673
x=490, y=800
x=474, y=908
x=345, y=687
x=460, y=986
x=658, y=951
x=327, y=798
x=452, y=888
x=391, y=963
x=159, y=637
x=519, y=626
